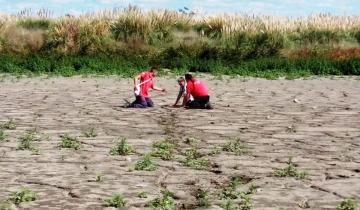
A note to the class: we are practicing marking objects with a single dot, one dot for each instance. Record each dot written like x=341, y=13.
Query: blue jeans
x=142, y=102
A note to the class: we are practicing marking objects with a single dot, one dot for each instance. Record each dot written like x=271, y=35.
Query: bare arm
x=136, y=78
x=186, y=99
x=159, y=89
x=178, y=98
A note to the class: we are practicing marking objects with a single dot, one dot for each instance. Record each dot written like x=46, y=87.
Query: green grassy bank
x=270, y=68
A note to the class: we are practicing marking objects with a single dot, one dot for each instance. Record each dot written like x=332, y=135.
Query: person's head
x=181, y=81
x=188, y=77
x=154, y=71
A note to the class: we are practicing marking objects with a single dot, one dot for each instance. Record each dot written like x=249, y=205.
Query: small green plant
x=70, y=143
x=116, y=201
x=235, y=146
x=193, y=160
x=252, y=189
x=145, y=164
x=5, y=205
x=191, y=141
x=122, y=148
x=99, y=178
x=142, y=195
x=23, y=195
x=291, y=171
x=27, y=142
x=9, y=125
x=216, y=150
x=163, y=149
x=230, y=192
x=230, y=205
x=91, y=133
x=348, y=204
x=304, y=204
x=3, y=136
x=35, y=151
x=202, y=198
x=246, y=202
x=163, y=202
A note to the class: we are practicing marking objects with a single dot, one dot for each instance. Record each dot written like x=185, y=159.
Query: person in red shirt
x=198, y=91
x=145, y=79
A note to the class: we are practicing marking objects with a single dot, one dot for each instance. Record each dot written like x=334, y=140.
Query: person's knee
x=142, y=101
x=140, y=106
x=192, y=105
x=149, y=102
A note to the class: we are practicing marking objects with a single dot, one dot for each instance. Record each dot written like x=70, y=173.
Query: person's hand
x=163, y=90
x=176, y=106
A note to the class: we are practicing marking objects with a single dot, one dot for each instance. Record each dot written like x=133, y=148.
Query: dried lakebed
x=316, y=122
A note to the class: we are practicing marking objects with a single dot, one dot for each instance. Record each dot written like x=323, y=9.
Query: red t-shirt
x=147, y=85
x=196, y=88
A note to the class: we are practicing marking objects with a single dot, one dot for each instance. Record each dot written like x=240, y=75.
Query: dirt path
x=317, y=122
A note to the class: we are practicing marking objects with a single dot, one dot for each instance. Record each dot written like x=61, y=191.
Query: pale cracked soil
x=317, y=122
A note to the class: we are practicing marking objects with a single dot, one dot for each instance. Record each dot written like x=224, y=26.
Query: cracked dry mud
x=320, y=130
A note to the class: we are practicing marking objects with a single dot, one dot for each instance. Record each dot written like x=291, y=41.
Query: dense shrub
x=104, y=65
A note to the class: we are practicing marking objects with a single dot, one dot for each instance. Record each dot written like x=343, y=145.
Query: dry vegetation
x=109, y=30
x=121, y=41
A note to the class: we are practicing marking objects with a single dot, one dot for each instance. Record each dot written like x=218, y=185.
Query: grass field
x=270, y=68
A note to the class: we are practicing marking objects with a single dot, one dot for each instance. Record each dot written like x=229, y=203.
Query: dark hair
x=188, y=77
x=154, y=69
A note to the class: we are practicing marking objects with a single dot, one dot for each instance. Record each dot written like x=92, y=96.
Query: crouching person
x=145, y=79
x=182, y=92
x=198, y=90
